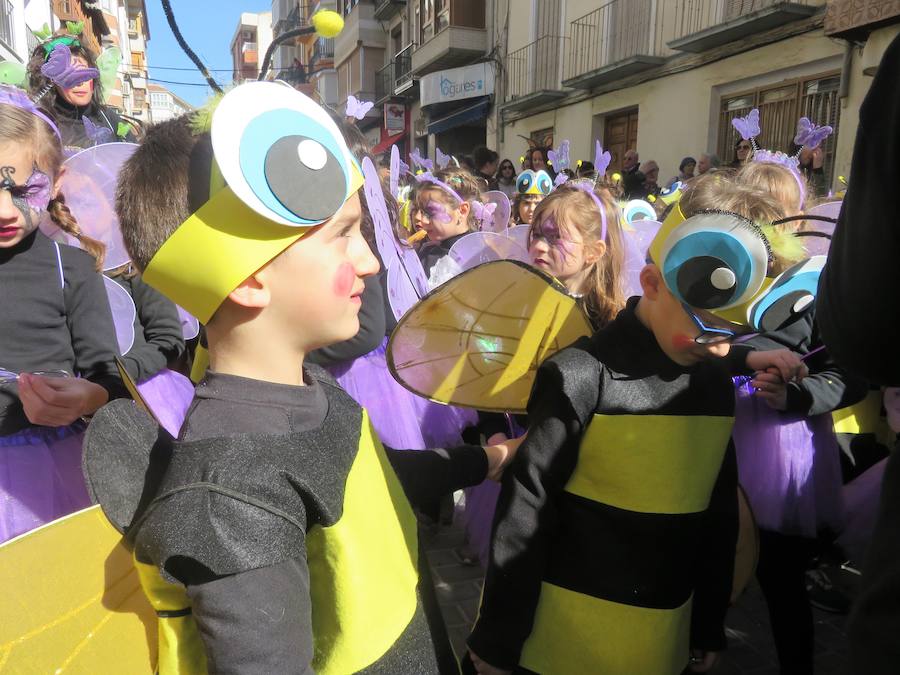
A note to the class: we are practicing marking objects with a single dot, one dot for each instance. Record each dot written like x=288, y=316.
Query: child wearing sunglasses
x=620, y=512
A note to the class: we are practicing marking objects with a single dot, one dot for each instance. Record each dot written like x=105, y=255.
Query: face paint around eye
x=438, y=212
x=33, y=196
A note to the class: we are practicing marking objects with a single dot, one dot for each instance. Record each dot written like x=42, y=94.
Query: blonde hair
x=22, y=127
x=573, y=207
x=788, y=189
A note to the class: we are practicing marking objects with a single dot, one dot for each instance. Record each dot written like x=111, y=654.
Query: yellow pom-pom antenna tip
x=617, y=177
x=327, y=23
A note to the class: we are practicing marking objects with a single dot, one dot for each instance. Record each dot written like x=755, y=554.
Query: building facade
x=306, y=62
x=17, y=20
x=129, y=31
x=251, y=39
x=164, y=105
x=666, y=77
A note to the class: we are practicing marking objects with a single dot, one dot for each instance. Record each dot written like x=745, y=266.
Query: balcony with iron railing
x=618, y=39
x=395, y=79
x=323, y=50
x=6, y=23
x=455, y=37
x=535, y=73
x=704, y=24
x=385, y=10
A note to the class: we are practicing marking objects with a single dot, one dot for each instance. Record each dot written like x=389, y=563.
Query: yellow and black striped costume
x=623, y=489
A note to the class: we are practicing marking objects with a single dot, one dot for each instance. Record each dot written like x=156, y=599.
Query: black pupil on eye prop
x=525, y=183
x=313, y=191
x=699, y=280
x=784, y=310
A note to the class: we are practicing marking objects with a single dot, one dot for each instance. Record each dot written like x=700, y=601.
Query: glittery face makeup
x=432, y=215
x=549, y=231
x=33, y=196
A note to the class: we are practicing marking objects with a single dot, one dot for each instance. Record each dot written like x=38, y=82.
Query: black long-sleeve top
x=158, y=339
x=859, y=314
x=829, y=387
x=70, y=120
x=628, y=557
x=277, y=636
x=53, y=323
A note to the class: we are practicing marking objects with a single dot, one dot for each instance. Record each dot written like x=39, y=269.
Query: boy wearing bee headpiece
x=614, y=541
x=276, y=513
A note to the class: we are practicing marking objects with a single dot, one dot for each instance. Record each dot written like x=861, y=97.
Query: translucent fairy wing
x=395, y=171
x=108, y=64
x=89, y=185
x=477, y=340
x=638, y=237
x=13, y=73
x=499, y=221
x=519, y=234
x=819, y=228
x=123, y=313
x=405, y=277
x=71, y=599
x=478, y=248
x=190, y=326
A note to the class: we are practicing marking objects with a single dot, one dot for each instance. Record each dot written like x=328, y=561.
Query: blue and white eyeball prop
x=282, y=155
x=789, y=297
x=671, y=194
x=714, y=261
x=534, y=183
x=638, y=209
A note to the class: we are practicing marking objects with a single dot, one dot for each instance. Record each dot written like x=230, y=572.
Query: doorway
x=620, y=132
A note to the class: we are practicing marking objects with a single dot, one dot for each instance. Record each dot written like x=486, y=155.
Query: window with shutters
x=780, y=106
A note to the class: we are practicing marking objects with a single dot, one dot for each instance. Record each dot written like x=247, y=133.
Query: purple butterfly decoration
x=441, y=160
x=484, y=214
x=358, y=109
x=421, y=162
x=98, y=134
x=560, y=179
x=601, y=159
x=60, y=69
x=559, y=158
x=747, y=127
x=810, y=135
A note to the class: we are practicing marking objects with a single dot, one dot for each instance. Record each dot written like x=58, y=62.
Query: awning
x=387, y=143
x=458, y=118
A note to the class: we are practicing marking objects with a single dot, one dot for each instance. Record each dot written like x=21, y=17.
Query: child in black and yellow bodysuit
x=619, y=512
x=277, y=511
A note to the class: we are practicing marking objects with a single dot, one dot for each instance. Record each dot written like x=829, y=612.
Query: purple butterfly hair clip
x=358, y=109
x=810, y=135
x=421, y=162
x=441, y=160
x=601, y=159
x=747, y=127
x=63, y=71
x=559, y=158
x=98, y=134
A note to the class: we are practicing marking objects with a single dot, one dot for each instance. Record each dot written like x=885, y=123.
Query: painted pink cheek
x=344, y=280
x=682, y=341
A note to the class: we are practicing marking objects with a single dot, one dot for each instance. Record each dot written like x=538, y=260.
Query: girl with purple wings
x=56, y=74
x=57, y=345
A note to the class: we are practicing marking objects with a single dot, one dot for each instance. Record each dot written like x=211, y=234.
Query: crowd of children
x=274, y=511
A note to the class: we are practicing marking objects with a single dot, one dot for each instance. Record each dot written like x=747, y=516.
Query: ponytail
x=62, y=216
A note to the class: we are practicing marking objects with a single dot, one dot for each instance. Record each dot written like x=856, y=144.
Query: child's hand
x=771, y=388
x=703, y=662
x=59, y=401
x=500, y=453
x=483, y=668
x=788, y=364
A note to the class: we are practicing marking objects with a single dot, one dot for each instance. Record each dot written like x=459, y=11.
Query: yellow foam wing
x=477, y=340
x=72, y=602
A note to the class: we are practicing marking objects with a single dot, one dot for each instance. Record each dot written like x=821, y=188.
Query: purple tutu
x=40, y=477
x=789, y=466
x=402, y=419
x=862, y=496
x=168, y=394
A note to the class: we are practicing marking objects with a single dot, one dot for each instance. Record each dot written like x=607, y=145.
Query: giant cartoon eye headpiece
x=534, y=183
x=285, y=168
x=715, y=261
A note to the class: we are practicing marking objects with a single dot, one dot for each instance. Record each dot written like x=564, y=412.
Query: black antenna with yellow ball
x=325, y=23
x=179, y=38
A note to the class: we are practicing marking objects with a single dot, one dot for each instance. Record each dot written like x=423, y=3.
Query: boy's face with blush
x=317, y=283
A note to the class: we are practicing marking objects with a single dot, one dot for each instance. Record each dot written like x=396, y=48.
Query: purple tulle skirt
x=40, y=477
x=861, y=498
x=402, y=419
x=789, y=467
x=168, y=394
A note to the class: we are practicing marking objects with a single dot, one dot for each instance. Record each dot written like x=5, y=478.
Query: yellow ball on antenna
x=327, y=23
